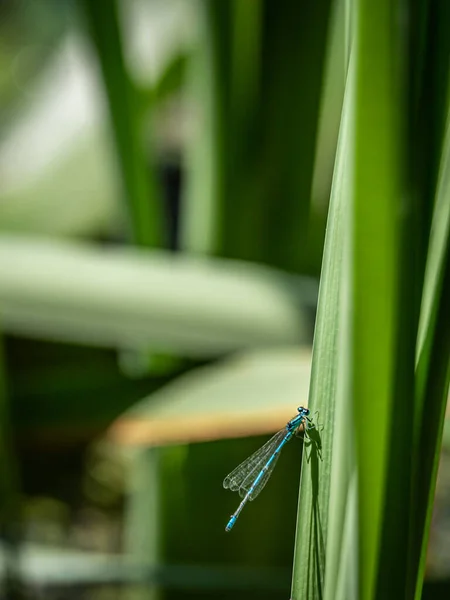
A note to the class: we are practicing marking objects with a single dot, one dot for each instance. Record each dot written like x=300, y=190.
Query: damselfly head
x=303, y=410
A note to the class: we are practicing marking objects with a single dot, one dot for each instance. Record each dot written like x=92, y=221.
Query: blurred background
x=165, y=169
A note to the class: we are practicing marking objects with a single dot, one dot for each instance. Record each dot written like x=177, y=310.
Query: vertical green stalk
x=243, y=236
x=9, y=494
x=257, y=101
x=142, y=194
x=294, y=48
x=432, y=370
x=377, y=196
x=312, y=542
x=437, y=386
x=342, y=543
x=143, y=516
x=206, y=162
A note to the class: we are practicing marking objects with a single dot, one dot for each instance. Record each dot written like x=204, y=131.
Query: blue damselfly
x=250, y=477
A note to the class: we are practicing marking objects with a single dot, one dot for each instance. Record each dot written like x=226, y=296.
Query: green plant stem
x=378, y=187
x=143, y=201
x=9, y=494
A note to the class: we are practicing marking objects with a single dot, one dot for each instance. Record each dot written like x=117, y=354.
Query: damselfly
x=251, y=476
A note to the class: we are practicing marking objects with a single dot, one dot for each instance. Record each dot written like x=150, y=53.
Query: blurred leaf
x=291, y=87
x=144, y=204
x=428, y=62
x=256, y=126
x=43, y=566
x=9, y=492
x=208, y=90
x=8, y=473
x=169, y=82
x=237, y=397
x=142, y=526
x=135, y=299
x=58, y=172
x=73, y=195
x=433, y=365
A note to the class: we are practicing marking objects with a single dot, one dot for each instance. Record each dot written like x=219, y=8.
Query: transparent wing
x=246, y=485
x=245, y=473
